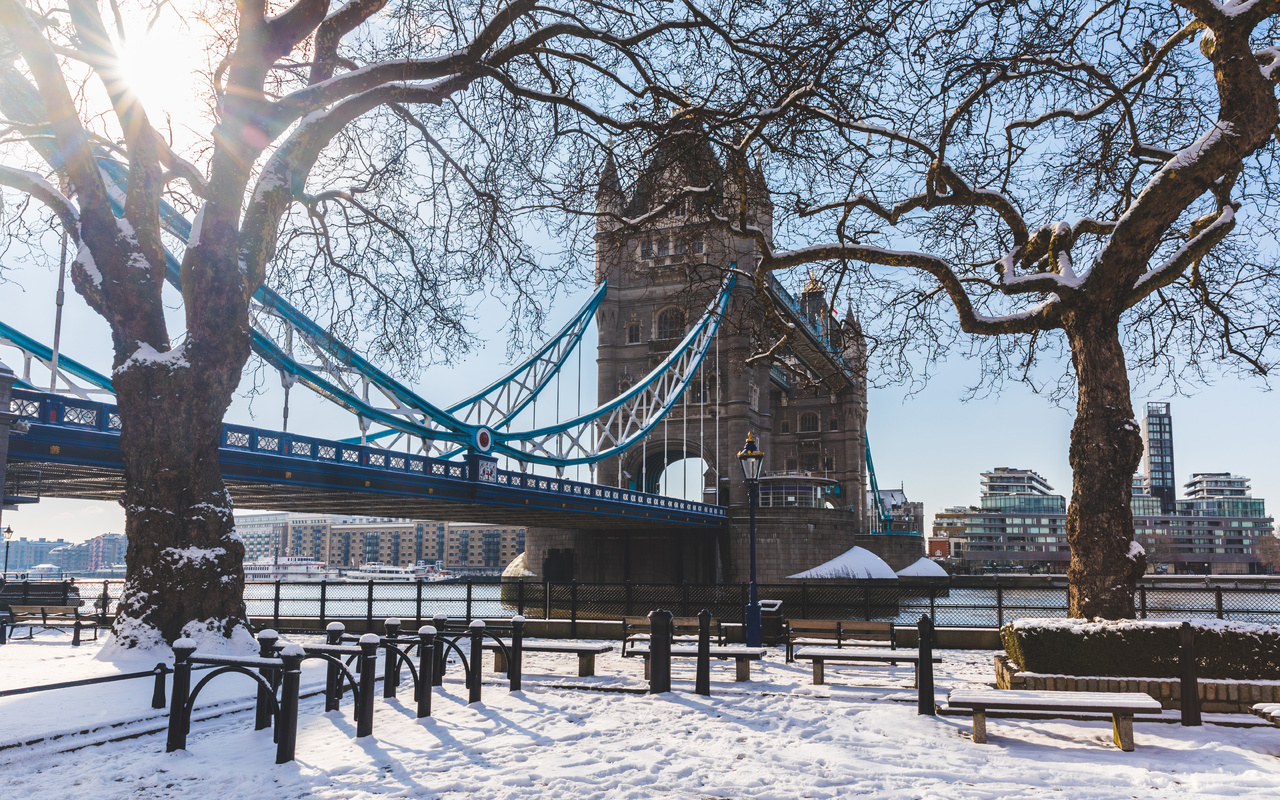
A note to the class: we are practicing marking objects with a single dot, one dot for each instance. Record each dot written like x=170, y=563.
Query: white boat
x=374, y=571
x=297, y=569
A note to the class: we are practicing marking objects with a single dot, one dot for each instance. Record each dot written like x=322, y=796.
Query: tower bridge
x=678, y=377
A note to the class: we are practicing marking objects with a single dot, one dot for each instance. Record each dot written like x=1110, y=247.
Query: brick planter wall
x=1218, y=696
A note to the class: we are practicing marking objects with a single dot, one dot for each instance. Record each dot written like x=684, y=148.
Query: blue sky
x=931, y=443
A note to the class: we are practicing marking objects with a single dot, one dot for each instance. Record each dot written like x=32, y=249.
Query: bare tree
x=1034, y=179
x=379, y=157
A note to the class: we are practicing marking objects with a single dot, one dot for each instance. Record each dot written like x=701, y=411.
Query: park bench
x=586, y=653
x=874, y=655
x=861, y=633
x=48, y=617
x=1120, y=705
x=683, y=629
x=742, y=655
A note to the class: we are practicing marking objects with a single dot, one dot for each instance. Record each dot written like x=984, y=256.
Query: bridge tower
x=807, y=404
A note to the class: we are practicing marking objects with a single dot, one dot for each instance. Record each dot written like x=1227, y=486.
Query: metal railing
x=977, y=601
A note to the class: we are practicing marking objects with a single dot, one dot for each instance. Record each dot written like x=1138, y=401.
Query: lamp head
x=8, y=533
x=751, y=459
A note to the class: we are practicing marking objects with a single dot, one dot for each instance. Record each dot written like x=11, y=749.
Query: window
x=663, y=244
x=633, y=333
x=671, y=324
x=784, y=426
x=680, y=246
x=808, y=423
x=646, y=249
x=695, y=246
x=829, y=464
x=682, y=207
x=809, y=462
x=834, y=424
x=792, y=465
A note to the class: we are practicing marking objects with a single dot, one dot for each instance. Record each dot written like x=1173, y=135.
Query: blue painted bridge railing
x=87, y=433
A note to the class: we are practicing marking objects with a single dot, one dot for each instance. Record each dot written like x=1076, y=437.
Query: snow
x=84, y=259
x=146, y=355
x=193, y=238
x=857, y=562
x=923, y=568
x=1189, y=155
x=1087, y=627
x=777, y=736
x=1233, y=8
x=1135, y=551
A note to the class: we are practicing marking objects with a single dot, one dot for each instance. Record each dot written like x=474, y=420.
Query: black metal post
x=1142, y=602
x=753, y=602
x=468, y=614
x=369, y=666
x=1217, y=600
x=999, y=606
x=266, y=649
x=933, y=597
x=627, y=604
x=514, y=666
x=546, y=599
x=157, y=691
x=441, y=657
x=659, y=651
x=183, y=649
x=106, y=601
x=324, y=596
x=275, y=607
x=333, y=675
x=702, y=683
x=1190, y=702
x=417, y=617
x=573, y=609
x=368, y=614
x=287, y=725
x=390, y=660
x=426, y=660
x=477, y=650
x=924, y=668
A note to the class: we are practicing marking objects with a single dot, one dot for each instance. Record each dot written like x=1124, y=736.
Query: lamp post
x=8, y=534
x=751, y=459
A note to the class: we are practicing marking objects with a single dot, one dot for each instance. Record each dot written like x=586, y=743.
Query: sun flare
x=162, y=66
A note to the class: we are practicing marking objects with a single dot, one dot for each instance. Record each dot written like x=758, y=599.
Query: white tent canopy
x=858, y=562
x=924, y=568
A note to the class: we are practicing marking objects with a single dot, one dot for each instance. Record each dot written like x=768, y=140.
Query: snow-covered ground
x=567, y=737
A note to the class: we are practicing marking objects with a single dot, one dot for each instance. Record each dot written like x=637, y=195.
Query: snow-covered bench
x=873, y=655
x=1120, y=705
x=860, y=633
x=49, y=617
x=683, y=629
x=742, y=655
x=586, y=653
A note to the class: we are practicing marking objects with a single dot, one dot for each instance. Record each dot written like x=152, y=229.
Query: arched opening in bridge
x=685, y=479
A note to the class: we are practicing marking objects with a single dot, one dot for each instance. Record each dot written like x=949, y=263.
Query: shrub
x=1142, y=648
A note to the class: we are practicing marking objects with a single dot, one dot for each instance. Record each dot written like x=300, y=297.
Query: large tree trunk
x=184, y=567
x=1106, y=447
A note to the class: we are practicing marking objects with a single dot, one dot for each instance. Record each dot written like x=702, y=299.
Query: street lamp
x=751, y=459
x=8, y=534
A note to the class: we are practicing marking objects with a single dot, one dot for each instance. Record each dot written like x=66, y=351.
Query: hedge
x=1142, y=648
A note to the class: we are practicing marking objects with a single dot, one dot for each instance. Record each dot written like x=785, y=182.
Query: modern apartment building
x=99, y=553
x=24, y=553
x=1157, y=434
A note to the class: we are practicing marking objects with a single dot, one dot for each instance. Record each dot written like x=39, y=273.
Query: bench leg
x=818, y=675
x=646, y=667
x=980, y=727
x=586, y=665
x=499, y=661
x=1122, y=731
x=744, y=670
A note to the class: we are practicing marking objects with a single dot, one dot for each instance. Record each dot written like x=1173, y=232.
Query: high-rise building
x=1008, y=481
x=1157, y=432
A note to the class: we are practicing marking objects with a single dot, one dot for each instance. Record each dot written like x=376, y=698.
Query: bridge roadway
x=76, y=446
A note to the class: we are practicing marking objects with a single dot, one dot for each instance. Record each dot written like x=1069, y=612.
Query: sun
x=161, y=66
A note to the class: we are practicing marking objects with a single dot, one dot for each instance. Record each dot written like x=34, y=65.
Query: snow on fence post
x=477, y=652
x=703, y=680
x=1190, y=689
x=287, y=725
x=368, y=666
x=333, y=675
x=262, y=707
x=514, y=665
x=390, y=659
x=183, y=649
x=426, y=660
x=924, y=668
x=659, y=651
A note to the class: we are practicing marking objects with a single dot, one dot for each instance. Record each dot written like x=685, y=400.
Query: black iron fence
x=961, y=601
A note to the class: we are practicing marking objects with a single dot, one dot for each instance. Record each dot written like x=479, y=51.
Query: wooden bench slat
x=1021, y=700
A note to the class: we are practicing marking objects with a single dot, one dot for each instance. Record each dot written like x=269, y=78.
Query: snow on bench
x=820, y=655
x=742, y=655
x=1268, y=711
x=586, y=653
x=1120, y=705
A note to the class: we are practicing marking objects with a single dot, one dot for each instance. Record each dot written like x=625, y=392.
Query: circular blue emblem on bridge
x=483, y=439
